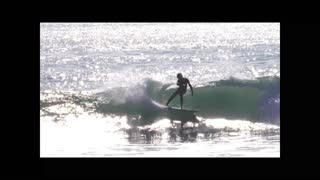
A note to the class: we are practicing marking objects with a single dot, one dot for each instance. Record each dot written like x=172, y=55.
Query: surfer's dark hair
x=179, y=75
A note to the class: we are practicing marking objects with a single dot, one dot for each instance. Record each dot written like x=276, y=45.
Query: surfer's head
x=179, y=75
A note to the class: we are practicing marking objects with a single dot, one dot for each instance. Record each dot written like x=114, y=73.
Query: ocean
x=101, y=85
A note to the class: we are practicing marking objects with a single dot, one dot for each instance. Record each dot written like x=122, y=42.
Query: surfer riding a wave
x=182, y=89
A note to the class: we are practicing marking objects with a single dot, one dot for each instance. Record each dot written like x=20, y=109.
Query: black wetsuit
x=182, y=83
x=182, y=89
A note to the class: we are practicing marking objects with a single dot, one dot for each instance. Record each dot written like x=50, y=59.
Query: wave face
x=255, y=100
x=232, y=98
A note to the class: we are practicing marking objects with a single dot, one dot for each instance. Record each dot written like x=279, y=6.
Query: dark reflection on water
x=143, y=136
x=187, y=134
x=149, y=136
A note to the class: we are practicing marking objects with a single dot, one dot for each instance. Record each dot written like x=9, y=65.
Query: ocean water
x=102, y=86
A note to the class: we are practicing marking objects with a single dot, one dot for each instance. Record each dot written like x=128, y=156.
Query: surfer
x=182, y=89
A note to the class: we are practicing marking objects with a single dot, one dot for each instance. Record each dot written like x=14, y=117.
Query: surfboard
x=174, y=109
x=183, y=115
x=177, y=114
